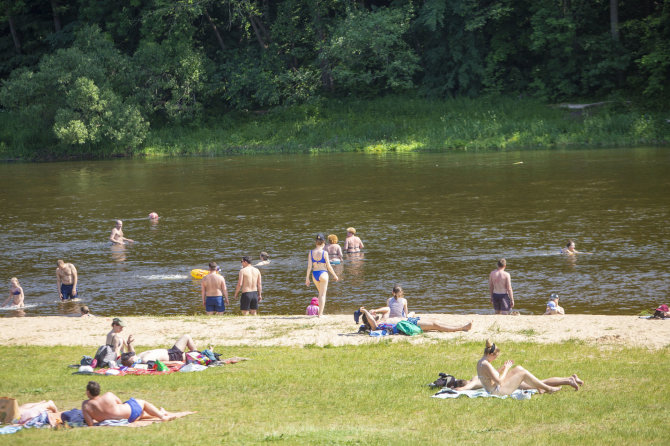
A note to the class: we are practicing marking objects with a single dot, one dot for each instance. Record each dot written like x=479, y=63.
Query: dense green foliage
x=371, y=394
x=92, y=76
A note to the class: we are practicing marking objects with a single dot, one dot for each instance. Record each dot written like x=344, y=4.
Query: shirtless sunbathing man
x=176, y=353
x=109, y=407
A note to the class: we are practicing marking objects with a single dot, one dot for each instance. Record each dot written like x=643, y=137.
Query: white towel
x=518, y=394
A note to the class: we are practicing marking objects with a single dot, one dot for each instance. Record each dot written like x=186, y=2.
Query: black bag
x=86, y=360
x=444, y=381
x=105, y=355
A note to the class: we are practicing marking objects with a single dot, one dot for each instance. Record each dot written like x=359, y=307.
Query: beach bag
x=9, y=410
x=408, y=328
x=197, y=357
x=160, y=367
x=105, y=356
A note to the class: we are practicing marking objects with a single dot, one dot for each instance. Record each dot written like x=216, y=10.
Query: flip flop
x=357, y=315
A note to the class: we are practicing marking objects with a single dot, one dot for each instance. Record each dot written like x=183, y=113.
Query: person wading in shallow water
x=319, y=265
x=500, y=288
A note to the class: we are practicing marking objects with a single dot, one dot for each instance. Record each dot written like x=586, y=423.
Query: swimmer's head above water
x=332, y=239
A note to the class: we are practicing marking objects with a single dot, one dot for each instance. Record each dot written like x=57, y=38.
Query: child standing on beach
x=15, y=293
x=313, y=308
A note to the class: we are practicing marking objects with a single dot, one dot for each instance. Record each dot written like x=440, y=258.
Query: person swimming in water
x=15, y=294
x=570, y=250
x=318, y=264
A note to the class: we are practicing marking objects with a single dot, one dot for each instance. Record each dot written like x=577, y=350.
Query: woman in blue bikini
x=15, y=293
x=319, y=265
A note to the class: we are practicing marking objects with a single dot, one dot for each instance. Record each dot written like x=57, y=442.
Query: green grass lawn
x=368, y=394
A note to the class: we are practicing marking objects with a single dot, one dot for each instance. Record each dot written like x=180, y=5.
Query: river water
x=435, y=223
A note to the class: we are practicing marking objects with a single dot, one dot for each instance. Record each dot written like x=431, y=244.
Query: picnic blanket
x=172, y=366
x=518, y=394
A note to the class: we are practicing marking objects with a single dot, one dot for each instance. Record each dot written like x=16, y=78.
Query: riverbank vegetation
x=367, y=394
x=93, y=79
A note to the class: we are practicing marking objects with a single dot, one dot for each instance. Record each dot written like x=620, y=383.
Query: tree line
x=95, y=75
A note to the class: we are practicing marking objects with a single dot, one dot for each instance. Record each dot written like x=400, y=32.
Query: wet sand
x=331, y=330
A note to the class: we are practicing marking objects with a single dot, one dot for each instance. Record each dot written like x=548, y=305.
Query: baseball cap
x=117, y=321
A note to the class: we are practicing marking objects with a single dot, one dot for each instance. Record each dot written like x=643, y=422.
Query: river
x=435, y=223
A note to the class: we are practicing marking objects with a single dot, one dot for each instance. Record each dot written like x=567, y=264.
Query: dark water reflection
x=435, y=223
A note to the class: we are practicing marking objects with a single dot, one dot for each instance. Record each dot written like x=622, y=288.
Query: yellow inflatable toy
x=199, y=273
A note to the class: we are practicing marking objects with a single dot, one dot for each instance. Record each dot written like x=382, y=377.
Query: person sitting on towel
x=176, y=353
x=100, y=408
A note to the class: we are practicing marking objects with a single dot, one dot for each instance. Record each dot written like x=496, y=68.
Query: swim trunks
x=501, y=302
x=215, y=303
x=174, y=354
x=249, y=301
x=135, y=410
x=66, y=291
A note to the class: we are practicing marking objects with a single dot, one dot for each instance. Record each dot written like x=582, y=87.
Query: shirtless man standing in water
x=249, y=281
x=500, y=288
x=214, y=290
x=117, y=234
x=66, y=278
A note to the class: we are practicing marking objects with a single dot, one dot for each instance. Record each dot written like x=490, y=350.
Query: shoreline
x=331, y=330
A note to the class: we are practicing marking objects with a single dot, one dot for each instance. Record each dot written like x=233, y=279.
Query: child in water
x=15, y=294
x=313, y=308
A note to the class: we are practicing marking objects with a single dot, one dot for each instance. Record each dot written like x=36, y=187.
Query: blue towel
x=10, y=429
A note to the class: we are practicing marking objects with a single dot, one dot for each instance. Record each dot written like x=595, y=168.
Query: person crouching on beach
x=313, y=307
x=552, y=305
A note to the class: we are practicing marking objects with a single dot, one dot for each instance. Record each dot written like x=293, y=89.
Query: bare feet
x=468, y=326
x=577, y=380
x=573, y=383
x=553, y=389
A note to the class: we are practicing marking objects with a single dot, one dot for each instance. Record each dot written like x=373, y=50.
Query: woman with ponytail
x=507, y=379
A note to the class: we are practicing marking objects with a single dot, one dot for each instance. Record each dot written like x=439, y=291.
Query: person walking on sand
x=214, y=291
x=15, y=294
x=66, y=278
x=507, y=379
x=500, y=289
x=352, y=243
x=249, y=281
x=319, y=265
x=116, y=236
x=98, y=408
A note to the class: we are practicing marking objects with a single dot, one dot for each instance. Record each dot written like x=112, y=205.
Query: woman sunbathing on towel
x=371, y=321
x=176, y=353
x=506, y=380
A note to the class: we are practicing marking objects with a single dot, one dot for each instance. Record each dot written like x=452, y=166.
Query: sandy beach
x=331, y=330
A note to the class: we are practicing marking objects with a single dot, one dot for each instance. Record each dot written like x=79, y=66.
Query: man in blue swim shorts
x=100, y=408
x=500, y=289
x=214, y=290
x=66, y=278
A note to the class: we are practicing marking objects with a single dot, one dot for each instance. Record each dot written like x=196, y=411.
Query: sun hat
x=117, y=321
x=551, y=304
x=315, y=301
x=553, y=296
x=663, y=308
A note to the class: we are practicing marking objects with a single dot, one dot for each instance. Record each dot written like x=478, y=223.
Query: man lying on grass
x=109, y=407
x=176, y=353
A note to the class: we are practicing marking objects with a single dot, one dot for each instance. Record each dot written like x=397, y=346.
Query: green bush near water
x=368, y=394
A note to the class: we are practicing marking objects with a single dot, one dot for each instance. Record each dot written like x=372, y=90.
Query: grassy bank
x=401, y=124
x=372, y=394
x=374, y=125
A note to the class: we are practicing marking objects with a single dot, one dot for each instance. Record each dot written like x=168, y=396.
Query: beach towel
x=172, y=366
x=481, y=393
x=140, y=423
